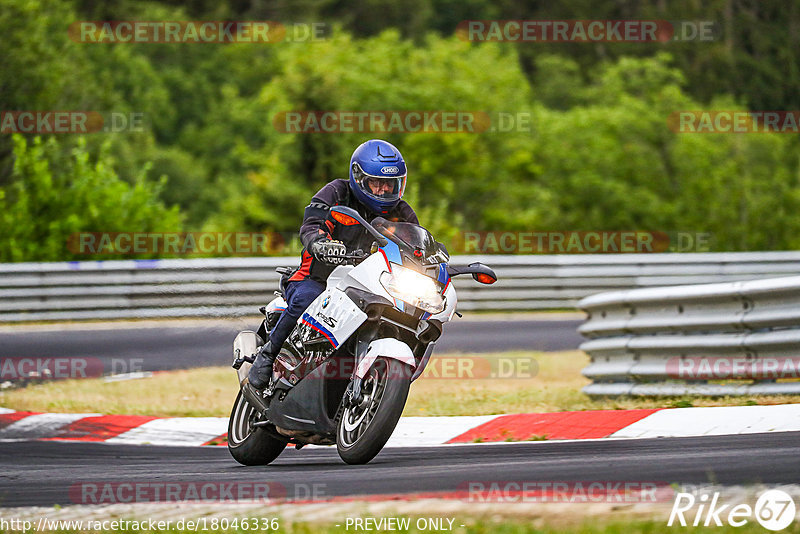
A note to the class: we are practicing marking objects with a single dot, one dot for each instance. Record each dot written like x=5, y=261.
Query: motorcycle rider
x=375, y=188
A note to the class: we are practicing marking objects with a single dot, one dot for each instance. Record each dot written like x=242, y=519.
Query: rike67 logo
x=774, y=510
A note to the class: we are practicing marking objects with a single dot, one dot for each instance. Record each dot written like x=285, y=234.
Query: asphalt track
x=160, y=348
x=41, y=473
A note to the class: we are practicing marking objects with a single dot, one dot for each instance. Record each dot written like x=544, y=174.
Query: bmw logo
x=326, y=301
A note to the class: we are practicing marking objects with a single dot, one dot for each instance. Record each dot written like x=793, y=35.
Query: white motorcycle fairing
x=333, y=315
x=388, y=347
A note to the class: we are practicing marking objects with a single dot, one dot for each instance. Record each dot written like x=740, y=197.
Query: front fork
x=353, y=395
x=366, y=355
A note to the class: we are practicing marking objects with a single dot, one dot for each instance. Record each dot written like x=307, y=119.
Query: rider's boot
x=261, y=371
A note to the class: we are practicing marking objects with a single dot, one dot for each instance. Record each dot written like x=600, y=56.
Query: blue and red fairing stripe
x=391, y=253
x=443, y=277
x=313, y=323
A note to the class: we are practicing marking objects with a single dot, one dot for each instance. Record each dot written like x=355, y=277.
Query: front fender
x=388, y=347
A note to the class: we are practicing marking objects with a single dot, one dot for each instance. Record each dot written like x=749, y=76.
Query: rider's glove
x=328, y=251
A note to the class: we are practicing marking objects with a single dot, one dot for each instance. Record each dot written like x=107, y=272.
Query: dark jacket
x=316, y=226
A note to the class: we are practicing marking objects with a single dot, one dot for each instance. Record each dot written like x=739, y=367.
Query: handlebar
x=354, y=257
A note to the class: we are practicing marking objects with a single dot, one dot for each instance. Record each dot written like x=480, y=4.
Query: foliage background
x=599, y=155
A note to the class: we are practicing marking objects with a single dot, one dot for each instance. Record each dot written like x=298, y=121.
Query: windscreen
x=413, y=238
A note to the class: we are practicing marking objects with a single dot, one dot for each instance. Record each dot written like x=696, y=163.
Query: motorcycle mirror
x=479, y=271
x=349, y=216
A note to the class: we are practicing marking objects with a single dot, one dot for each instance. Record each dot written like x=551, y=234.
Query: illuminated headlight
x=413, y=288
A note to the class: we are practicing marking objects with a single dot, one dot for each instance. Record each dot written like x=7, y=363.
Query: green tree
x=613, y=163
x=453, y=177
x=54, y=195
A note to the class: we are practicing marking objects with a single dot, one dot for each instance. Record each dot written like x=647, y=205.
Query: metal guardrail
x=739, y=338
x=238, y=286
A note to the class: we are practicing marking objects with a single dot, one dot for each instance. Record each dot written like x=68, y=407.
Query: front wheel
x=249, y=445
x=365, y=428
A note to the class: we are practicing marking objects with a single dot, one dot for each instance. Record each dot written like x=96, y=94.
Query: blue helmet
x=377, y=175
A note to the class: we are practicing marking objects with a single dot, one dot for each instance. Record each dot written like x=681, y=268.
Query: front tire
x=364, y=429
x=248, y=445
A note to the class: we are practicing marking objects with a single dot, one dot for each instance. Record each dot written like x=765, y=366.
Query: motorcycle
x=343, y=375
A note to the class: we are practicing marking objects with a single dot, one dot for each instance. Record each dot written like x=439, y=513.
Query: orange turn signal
x=484, y=278
x=342, y=218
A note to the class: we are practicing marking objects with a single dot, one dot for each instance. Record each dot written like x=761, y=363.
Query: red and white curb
x=422, y=431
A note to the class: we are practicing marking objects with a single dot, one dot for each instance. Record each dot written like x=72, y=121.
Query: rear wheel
x=249, y=445
x=365, y=428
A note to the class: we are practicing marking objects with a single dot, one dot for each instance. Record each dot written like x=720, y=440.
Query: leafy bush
x=54, y=195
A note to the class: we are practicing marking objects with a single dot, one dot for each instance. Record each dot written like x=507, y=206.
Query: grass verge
x=547, y=382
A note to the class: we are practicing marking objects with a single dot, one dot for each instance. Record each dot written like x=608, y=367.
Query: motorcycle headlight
x=413, y=288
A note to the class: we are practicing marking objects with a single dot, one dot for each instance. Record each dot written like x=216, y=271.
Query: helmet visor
x=385, y=188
